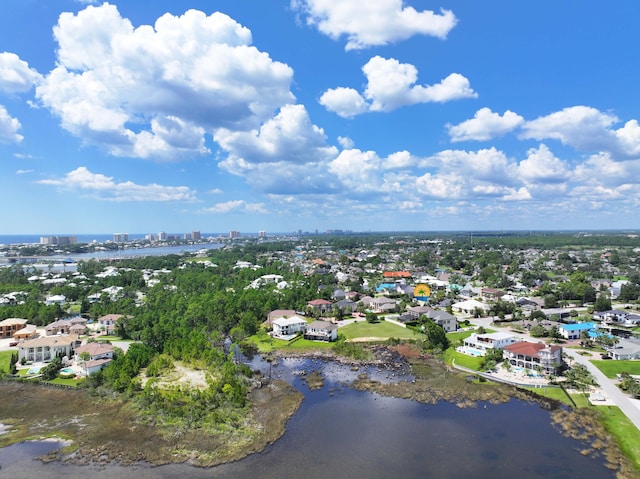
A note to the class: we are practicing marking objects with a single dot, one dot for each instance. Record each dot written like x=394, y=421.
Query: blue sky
x=249, y=115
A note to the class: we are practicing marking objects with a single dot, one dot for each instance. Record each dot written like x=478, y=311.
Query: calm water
x=342, y=433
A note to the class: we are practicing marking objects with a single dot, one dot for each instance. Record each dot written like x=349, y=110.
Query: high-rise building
x=234, y=234
x=58, y=240
x=262, y=234
x=196, y=236
x=162, y=236
x=120, y=237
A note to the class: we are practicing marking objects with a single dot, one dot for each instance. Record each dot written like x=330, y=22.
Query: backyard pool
x=67, y=371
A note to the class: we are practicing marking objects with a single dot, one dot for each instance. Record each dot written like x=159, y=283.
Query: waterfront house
x=287, y=328
x=541, y=357
x=321, y=331
x=484, y=342
x=42, y=350
x=95, y=351
x=278, y=313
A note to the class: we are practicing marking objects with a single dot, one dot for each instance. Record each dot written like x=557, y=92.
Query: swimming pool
x=34, y=370
x=67, y=371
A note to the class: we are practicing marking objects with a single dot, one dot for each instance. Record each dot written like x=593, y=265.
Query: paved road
x=630, y=407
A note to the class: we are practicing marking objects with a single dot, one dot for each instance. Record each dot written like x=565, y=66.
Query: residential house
x=9, y=326
x=95, y=351
x=557, y=314
x=347, y=306
x=541, y=357
x=321, y=305
x=278, y=313
x=382, y=304
x=28, y=332
x=46, y=348
x=55, y=299
x=484, y=342
x=321, y=331
x=469, y=306
x=108, y=322
x=339, y=294
x=626, y=349
x=288, y=327
x=612, y=316
x=492, y=294
x=60, y=326
x=573, y=331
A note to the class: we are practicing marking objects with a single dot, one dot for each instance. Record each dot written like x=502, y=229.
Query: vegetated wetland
x=369, y=414
x=358, y=419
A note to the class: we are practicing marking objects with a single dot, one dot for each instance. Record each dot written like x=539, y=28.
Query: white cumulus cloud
x=485, y=125
x=372, y=23
x=154, y=91
x=15, y=74
x=392, y=85
x=541, y=165
x=99, y=186
x=9, y=127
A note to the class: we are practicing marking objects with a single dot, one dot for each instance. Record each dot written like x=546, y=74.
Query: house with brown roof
x=10, y=326
x=95, y=351
x=539, y=356
x=278, y=313
x=321, y=305
x=60, y=326
x=42, y=350
x=107, y=323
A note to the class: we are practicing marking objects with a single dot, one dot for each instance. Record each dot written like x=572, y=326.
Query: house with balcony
x=321, y=331
x=541, y=357
x=483, y=342
x=9, y=326
x=288, y=328
x=43, y=350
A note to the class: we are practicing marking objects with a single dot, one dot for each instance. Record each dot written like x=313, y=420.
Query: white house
x=469, y=306
x=55, y=299
x=321, y=331
x=484, y=342
x=46, y=348
x=286, y=327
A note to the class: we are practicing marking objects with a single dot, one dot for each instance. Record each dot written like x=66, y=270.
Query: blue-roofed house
x=573, y=331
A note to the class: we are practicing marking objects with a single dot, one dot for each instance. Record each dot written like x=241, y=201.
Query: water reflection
x=339, y=432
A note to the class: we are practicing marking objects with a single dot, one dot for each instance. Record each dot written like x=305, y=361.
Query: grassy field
x=610, y=368
x=266, y=344
x=470, y=362
x=561, y=395
x=5, y=359
x=626, y=433
x=383, y=329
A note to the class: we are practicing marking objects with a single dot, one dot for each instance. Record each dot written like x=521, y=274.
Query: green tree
x=603, y=302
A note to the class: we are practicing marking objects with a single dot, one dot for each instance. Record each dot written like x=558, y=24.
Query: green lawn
x=268, y=344
x=471, y=362
x=383, y=329
x=610, y=367
x=5, y=360
x=65, y=382
x=561, y=395
x=626, y=433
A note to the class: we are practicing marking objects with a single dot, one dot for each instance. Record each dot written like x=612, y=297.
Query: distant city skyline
x=287, y=115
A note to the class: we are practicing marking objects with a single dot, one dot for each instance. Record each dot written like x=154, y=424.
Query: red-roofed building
x=321, y=305
x=397, y=274
x=535, y=356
